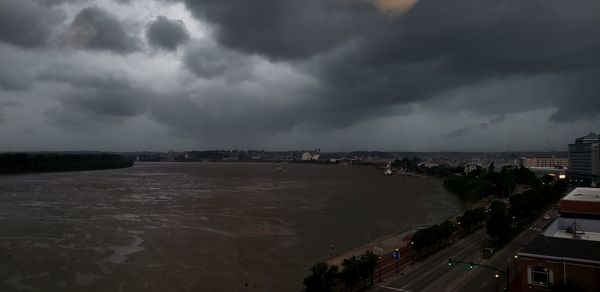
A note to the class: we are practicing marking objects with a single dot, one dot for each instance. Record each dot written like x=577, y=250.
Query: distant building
x=569, y=248
x=584, y=160
x=557, y=173
x=306, y=156
x=581, y=203
x=471, y=167
x=555, y=162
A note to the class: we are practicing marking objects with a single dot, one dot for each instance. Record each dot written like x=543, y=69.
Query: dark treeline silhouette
x=480, y=183
x=54, y=162
x=356, y=274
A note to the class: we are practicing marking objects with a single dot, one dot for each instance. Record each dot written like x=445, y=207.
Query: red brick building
x=569, y=248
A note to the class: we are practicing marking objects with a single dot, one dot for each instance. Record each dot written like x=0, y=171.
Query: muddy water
x=198, y=226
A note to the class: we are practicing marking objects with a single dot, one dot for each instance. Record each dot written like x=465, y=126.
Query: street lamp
x=397, y=257
x=380, y=268
x=497, y=278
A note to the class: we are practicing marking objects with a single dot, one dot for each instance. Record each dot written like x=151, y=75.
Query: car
x=547, y=217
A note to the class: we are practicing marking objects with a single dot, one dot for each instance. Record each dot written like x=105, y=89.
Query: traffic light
x=497, y=275
x=449, y=262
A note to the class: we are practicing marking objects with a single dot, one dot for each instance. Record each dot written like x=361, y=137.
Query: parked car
x=547, y=217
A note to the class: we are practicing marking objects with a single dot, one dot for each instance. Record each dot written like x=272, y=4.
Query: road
x=434, y=269
x=434, y=274
x=484, y=280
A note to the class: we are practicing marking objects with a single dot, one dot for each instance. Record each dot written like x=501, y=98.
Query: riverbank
x=380, y=246
x=22, y=163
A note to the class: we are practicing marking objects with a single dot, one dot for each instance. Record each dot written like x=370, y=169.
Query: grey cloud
x=96, y=97
x=27, y=25
x=499, y=118
x=207, y=60
x=15, y=72
x=97, y=29
x=583, y=101
x=368, y=63
x=465, y=131
x=81, y=78
x=14, y=80
x=4, y=105
x=89, y=108
x=286, y=29
x=167, y=34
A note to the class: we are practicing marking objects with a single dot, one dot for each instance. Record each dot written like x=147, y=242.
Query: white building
x=306, y=156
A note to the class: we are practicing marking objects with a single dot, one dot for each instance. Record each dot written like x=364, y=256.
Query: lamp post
x=397, y=257
x=516, y=257
x=497, y=277
x=380, y=268
x=412, y=252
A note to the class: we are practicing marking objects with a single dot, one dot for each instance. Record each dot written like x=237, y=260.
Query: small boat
x=388, y=169
x=279, y=168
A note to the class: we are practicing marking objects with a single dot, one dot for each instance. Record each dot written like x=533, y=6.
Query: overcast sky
x=392, y=75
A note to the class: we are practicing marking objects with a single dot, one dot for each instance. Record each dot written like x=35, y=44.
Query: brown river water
x=199, y=226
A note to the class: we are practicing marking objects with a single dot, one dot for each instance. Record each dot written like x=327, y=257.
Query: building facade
x=554, y=162
x=568, y=251
x=584, y=160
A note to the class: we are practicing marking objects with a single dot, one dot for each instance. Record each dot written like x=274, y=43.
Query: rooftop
x=574, y=228
x=569, y=249
x=584, y=194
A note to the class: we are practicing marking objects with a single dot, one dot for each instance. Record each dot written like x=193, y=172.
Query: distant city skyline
x=386, y=75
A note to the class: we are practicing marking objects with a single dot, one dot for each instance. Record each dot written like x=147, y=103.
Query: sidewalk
x=383, y=246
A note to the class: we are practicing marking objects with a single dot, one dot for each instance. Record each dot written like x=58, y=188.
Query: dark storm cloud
x=25, y=24
x=286, y=29
x=4, y=105
x=96, y=97
x=368, y=62
x=584, y=101
x=208, y=60
x=97, y=29
x=166, y=33
x=469, y=42
x=465, y=131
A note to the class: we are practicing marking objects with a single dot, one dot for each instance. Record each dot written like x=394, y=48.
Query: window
x=539, y=275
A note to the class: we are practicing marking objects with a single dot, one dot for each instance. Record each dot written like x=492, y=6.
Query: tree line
x=355, y=271
x=54, y=162
x=524, y=207
x=481, y=183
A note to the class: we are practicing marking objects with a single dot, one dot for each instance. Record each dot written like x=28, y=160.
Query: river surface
x=199, y=226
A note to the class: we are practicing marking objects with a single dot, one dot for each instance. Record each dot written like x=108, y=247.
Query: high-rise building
x=584, y=160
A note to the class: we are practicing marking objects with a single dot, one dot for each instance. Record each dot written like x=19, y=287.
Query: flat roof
x=583, y=194
x=594, y=236
x=556, y=247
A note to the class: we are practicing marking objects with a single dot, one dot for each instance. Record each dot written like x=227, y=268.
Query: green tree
x=472, y=217
x=350, y=273
x=321, y=279
x=498, y=224
x=367, y=265
x=491, y=168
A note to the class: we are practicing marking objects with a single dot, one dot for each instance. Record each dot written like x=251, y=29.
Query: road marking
x=394, y=289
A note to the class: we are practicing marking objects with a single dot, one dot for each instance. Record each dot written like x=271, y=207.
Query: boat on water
x=388, y=170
